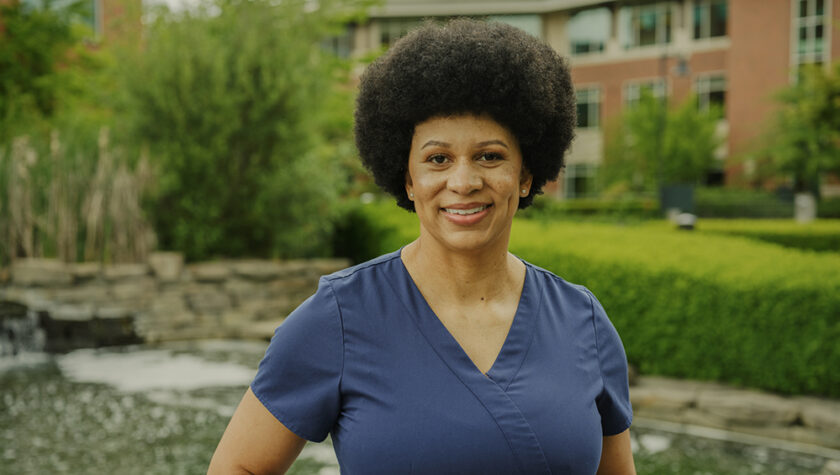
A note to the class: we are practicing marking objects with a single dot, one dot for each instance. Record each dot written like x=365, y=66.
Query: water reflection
x=162, y=409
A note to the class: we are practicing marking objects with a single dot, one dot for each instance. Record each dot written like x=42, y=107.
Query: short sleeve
x=298, y=378
x=614, y=400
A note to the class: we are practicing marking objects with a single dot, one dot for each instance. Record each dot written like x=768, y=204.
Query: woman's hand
x=617, y=456
x=255, y=442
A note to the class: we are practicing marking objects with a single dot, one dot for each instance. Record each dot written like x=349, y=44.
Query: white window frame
x=606, y=40
x=810, y=21
x=707, y=83
x=573, y=171
x=706, y=20
x=632, y=90
x=592, y=96
x=663, y=11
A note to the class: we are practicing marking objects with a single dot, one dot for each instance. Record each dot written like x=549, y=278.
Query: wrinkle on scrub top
x=366, y=360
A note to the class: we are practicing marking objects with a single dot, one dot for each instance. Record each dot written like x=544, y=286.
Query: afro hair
x=465, y=67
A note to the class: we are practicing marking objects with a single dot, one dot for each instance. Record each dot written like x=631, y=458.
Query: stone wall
x=87, y=304
x=802, y=419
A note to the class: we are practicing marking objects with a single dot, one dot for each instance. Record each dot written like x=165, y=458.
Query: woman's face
x=465, y=177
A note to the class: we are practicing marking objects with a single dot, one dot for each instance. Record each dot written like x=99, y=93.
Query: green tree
x=650, y=145
x=237, y=102
x=804, y=139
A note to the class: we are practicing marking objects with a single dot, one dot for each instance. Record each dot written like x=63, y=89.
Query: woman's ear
x=525, y=181
x=409, y=187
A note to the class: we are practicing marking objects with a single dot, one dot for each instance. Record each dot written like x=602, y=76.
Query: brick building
x=734, y=53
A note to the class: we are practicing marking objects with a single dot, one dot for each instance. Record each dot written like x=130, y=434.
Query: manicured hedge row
x=550, y=208
x=821, y=235
x=693, y=305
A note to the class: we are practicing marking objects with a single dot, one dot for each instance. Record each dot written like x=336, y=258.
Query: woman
x=450, y=355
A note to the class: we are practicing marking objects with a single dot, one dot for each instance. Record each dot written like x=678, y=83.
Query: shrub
x=619, y=209
x=236, y=101
x=740, y=203
x=822, y=235
x=696, y=305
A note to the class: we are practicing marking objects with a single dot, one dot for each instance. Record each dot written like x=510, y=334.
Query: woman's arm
x=255, y=442
x=617, y=456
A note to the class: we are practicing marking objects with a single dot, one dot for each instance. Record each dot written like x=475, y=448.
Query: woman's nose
x=464, y=178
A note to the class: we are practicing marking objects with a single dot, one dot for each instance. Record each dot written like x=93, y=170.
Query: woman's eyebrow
x=431, y=143
x=493, y=142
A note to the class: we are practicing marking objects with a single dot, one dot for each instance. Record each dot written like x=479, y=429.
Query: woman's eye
x=489, y=157
x=438, y=159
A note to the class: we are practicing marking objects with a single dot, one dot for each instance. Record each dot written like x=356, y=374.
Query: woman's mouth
x=466, y=212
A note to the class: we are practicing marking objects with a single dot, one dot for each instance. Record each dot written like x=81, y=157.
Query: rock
x=86, y=293
x=114, y=312
x=40, y=272
x=210, y=271
x=327, y=266
x=125, y=271
x=72, y=312
x=243, y=290
x=257, y=270
x=166, y=266
x=135, y=288
x=747, y=408
x=85, y=271
x=821, y=414
x=832, y=467
x=208, y=299
x=294, y=267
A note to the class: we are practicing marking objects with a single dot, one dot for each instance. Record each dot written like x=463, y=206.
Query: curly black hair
x=465, y=66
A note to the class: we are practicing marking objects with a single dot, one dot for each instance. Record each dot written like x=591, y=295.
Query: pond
x=161, y=410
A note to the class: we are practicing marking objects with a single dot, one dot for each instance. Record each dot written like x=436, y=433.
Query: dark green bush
x=624, y=209
x=820, y=235
x=695, y=305
x=829, y=208
x=739, y=203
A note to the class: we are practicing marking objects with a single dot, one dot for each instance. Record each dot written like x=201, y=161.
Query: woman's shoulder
x=551, y=282
x=383, y=263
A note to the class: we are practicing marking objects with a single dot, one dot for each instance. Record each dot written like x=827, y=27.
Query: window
x=588, y=108
x=633, y=91
x=340, y=45
x=710, y=18
x=646, y=25
x=711, y=92
x=392, y=29
x=589, y=31
x=579, y=180
x=531, y=24
x=810, y=29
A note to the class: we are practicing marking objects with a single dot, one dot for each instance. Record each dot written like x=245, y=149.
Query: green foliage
x=42, y=55
x=695, y=305
x=821, y=235
x=241, y=108
x=637, y=208
x=651, y=146
x=804, y=141
x=740, y=203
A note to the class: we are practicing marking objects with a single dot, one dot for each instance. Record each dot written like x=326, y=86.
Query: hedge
x=821, y=235
x=692, y=305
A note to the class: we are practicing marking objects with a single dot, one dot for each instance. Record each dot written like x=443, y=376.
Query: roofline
x=456, y=8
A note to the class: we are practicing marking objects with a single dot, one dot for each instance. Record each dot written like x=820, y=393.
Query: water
x=162, y=409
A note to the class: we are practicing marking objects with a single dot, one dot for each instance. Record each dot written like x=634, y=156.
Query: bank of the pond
x=161, y=409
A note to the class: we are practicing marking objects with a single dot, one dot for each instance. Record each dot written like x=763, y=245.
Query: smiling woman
x=450, y=355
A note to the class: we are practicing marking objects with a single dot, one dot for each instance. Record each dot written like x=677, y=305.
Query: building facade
x=735, y=54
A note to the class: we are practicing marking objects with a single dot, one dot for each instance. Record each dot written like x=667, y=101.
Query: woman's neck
x=459, y=276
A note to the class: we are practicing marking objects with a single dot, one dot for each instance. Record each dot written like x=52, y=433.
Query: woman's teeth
x=465, y=212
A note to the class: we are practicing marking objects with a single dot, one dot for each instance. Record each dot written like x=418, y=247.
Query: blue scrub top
x=366, y=360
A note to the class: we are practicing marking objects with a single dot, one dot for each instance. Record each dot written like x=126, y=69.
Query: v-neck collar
x=516, y=344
